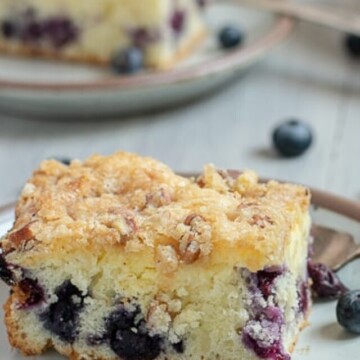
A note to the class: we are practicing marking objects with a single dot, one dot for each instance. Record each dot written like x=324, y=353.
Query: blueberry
x=202, y=3
x=64, y=160
x=266, y=281
x=325, y=283
x=61, y=317
x=32, y=32
x=292, y=138
x=304, y=297
x=8, y=29
x=129, y=337
x=60, y=31
x=6, y=274
x=266, y=344
x=352, y=45
x=179, y=347
x=348, y=311
x=177, y=21
x=143, y=36
x=128, y=61
x=33, y=291
x=230, y=37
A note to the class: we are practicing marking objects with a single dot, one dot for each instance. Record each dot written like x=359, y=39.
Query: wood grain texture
x=310, y=78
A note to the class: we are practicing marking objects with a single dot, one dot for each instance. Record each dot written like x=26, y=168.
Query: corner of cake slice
x=120, y=258
x=93, y=31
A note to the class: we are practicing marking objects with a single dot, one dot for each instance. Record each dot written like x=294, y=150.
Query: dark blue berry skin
x=141, y=37
x=202, y=3
x=32, y=32
x=352, y=45
x=179, y=347
x=6, y=274
x=128, y=61
x=61, y=317
x=60, y=31
x=292, y=138
x=177, y=22
x=63, y=160
x=325, y=283
x=230, y=37
x=129, y=337
x=8, y=29
x=348, y=311
x=33, y=291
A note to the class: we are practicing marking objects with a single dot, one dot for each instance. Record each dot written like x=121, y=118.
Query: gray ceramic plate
x=323, y=339
x=55, y=90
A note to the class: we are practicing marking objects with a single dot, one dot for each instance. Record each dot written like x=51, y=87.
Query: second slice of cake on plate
x=119, y=258
x=94, y=30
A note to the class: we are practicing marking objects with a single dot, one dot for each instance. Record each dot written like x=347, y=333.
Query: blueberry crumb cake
x=120, y=258
x=94, y=30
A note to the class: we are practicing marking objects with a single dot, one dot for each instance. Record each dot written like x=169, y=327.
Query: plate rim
x=280, y=31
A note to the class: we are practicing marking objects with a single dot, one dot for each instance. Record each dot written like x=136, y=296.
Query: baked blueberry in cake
x=95, y=30
x=119, y=258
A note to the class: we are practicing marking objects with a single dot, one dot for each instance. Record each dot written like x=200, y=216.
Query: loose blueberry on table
x=230, y=37
x=64, y=160
x=348, y=311
x=352, y=44
x=128, y=61
x=292, y=138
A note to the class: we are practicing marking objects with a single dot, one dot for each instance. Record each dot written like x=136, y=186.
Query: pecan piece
x=196, y=240
x=261, y=221
x=22, y=235
x=158, y=198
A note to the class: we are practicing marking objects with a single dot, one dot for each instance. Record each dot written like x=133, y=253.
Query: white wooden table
x=310, y=78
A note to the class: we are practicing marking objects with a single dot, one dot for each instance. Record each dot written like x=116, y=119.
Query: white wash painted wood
x=309, y=78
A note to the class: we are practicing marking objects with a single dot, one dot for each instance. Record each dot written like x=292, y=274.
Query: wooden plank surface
x=310, y=78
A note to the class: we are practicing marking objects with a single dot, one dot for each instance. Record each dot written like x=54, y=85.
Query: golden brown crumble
x=137, y=204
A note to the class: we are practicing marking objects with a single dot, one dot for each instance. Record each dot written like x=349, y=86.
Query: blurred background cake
x=96, y=30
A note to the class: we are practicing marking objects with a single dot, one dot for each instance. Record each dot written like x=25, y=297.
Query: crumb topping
x=138, y=204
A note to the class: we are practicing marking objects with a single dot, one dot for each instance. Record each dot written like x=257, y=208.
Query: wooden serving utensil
x=333, y=248
x=330, y=16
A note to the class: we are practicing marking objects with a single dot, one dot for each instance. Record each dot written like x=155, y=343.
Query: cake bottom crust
x=11, y=49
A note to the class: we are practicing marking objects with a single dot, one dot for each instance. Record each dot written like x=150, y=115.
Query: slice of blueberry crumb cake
x=95, y=30
x=120, y=258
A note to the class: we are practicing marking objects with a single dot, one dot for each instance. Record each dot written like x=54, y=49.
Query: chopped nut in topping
x=158, y=198
x=261, y=220
x=124, y=222
x=196, y=238
x=21, y=235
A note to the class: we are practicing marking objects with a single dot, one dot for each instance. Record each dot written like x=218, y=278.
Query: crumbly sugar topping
x=138, y=204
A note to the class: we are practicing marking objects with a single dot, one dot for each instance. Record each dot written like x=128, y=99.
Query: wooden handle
x=334, y=17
